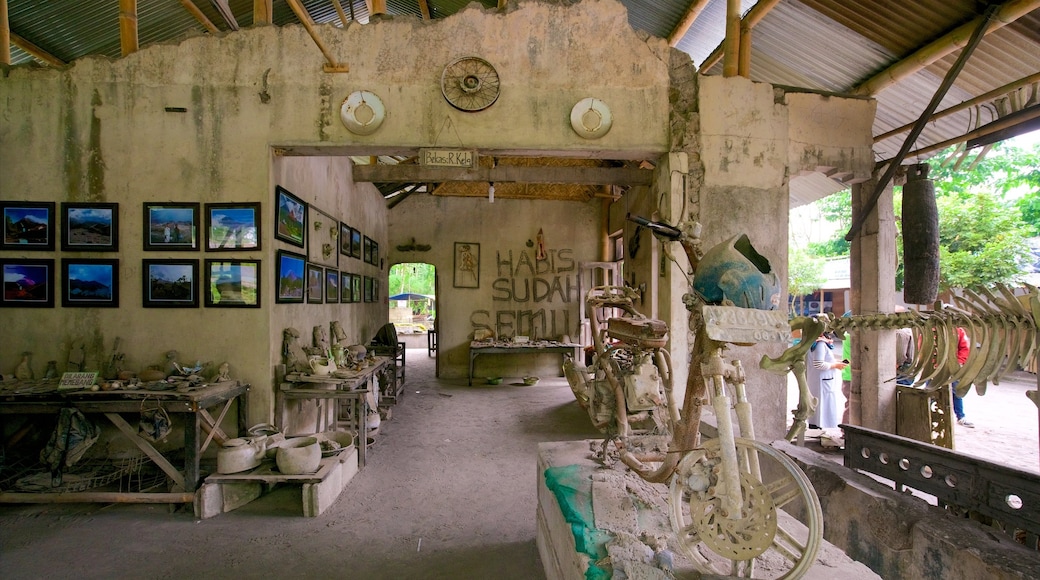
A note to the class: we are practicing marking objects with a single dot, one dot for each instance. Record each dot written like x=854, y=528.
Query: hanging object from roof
x=920, y=237
x=470, y=84
x=362, y=112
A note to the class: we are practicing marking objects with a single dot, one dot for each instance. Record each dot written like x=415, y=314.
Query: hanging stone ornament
x=920, y=237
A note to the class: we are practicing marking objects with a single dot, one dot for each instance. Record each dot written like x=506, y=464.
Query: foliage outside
x=804, y=276
x=414, y=278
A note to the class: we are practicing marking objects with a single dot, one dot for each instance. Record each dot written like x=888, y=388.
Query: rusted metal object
x=920, y=237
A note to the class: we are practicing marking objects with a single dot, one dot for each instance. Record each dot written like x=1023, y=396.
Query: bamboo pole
x=744, y=62
x=731, y=56
x=687, y=20
x=200, y=16
x=339, y=11
x=424, y=8
x=376, y=7
x=128, y=40
x=5, y=34
x=331, y=65
x=753, y=17
x=944, y=45
x=997, y=92
x=262, y=11
x=36, y=51
x=1019, y=117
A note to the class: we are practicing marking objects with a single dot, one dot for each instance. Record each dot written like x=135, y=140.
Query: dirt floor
x=449, y=492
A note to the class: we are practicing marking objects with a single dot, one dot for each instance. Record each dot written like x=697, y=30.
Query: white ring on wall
x=591, y=118
x=362, y=112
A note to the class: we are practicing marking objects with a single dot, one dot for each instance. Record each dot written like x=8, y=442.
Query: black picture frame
x=368, y=289
x=28, y=225
x=89, y=227
x=232, y=283
x=315, y=284
x=370, y=251
x=332, y=286
x=290, y=218
x=170, y=283
x=345, y=288
x=233, y=226
x=467, y=265
x=355, y=243
x=290, y=277
x=344, y=239
x=355, y=287
x=171, y=226
x=90, y=283
x=28, y=283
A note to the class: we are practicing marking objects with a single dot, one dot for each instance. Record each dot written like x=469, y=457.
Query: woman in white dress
x=831, y=400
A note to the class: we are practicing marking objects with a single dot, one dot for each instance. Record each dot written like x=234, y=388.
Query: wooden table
x=351, y=388
x=479, y=347
x=45, y=398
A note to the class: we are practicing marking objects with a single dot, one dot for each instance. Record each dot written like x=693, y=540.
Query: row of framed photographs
x=293, y=215
x=300, y=281
x=94, y=283
x=94, y=227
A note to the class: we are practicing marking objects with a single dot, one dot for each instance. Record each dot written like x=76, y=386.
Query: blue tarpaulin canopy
x=412, y=296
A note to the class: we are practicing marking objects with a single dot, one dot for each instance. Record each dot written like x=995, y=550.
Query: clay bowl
x=298, y=455
x=494, y=380
x=529, y=381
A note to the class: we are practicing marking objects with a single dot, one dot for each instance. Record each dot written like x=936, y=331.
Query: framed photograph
x=355, y=288
x=27, y=283
x=233, y=283
x=90, y=227
x=369, y=287
x=375, y=290
x=332, y=286
x=290, y=217
x=344, y=239
x=289, y=272
x=171, y=226
x=28, y=225
x=345, y=296
x=90, y=283
x=369, y=252
x=323, y=247
x=315, y=283
x=232, y=226
x=467, y=265
x=355, y=243
x=170, y=283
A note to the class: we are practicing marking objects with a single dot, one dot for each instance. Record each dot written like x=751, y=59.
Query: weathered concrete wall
x=517, y=293
x=831, y=135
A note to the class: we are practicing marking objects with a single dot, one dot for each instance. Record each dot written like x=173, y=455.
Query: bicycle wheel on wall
x=760, y=543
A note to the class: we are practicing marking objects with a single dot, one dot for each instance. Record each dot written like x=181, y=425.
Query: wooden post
x=339, y=11
x=200, y=16
x=686, y=22
x=5, y=34
x=730, y=64
x=424, y=8
x=376, y=7
x=262, y=11
x=744, y=62
x=128, y=26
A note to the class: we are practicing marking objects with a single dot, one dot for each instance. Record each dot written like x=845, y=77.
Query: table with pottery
x=484, y=347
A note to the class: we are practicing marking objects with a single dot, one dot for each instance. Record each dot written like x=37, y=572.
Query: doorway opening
x=413, y=304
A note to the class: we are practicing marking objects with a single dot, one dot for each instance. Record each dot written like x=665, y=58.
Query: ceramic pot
x=298, y=455
x=241, y=454
x=322, y=366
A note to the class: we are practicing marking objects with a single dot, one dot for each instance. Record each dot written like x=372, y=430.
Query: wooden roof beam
x=262, y=12
x=686, y=22
x=226, y=13
x=375, y=7
x=944, y=45
x=36, y=52
x=198, y=14
x=128, y=40
x=5, y=34
x=331, y=66
x=750, y=20
x=424, y=9
x=339, y=12
x=503, y=174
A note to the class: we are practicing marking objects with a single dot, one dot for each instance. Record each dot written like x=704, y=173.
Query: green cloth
x=573, y=491
x=846, y=354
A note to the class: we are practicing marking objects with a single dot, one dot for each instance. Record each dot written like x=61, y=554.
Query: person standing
x=830, y=400
x=846, y=374
x=963, y=350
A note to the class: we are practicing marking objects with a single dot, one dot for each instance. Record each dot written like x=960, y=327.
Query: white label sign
x=448, y=157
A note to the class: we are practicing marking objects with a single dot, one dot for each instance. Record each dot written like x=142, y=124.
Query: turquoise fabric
x=573, y=491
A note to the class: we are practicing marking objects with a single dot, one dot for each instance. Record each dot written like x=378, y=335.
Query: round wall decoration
x=362, y=112
x=470, y=84
x=591, y=118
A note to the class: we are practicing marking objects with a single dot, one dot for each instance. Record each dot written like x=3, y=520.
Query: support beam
x=376, y=7
x=331, y=65
x=1017, y=118
x=262, y=12
x=200, y=16
x=501, y=3
x=5, y=34
x=36, y=51
x=226, y=13
x=946, y=44
x=339, y=12
x=128, y=41
x=731, y=56
x=988, y=96
x=502, y=174
x=752, y=18
x=424, y=8
x=686, y=22
x=744, y=60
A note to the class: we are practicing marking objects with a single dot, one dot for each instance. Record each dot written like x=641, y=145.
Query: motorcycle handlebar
x=661, y=229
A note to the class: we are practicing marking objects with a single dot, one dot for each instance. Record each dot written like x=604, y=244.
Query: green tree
x=804, y=275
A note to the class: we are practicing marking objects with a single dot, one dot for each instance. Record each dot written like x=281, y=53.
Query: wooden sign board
x=459, y=158
x=71, y=381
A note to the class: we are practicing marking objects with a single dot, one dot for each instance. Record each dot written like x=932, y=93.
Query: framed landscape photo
x=344, y=239
x=232, y=226
x=27, y=283
x=92, y=283
x=90, y=227
x=171, y=226
x=233, y=283
x=28, y=225
x=355, y=243
x=369, y=253
x=290, y=276
x=467, y=265
x=345, y=295
x=315, y=283
x=170, y=283
x=332, y=286
x=290, y=214
x=368, y=289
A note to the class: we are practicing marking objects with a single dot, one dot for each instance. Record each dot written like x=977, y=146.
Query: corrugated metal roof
x=826, y=45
